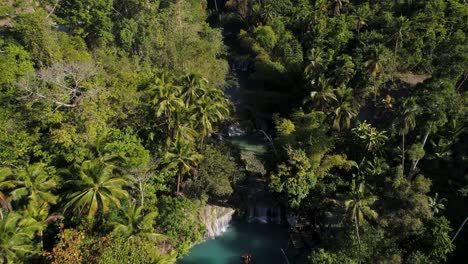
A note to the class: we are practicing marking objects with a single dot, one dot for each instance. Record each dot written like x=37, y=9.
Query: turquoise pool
x=264, y=241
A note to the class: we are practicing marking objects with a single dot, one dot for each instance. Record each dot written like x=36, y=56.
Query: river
x=262, y=234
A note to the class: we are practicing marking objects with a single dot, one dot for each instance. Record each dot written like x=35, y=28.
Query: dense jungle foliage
x=112, y=115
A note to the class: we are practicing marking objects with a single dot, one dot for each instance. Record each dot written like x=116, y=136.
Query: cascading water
x=235, y=130
x=221, y=224
x=216, y=220
x=264, y=214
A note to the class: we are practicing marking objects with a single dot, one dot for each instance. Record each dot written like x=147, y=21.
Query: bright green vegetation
x=111, y=114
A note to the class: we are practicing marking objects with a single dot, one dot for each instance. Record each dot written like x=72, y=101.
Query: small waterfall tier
x=235, y=130
x=216, y=220
x=264, y=214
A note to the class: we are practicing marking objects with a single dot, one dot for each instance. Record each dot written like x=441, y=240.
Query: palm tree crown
x=99, y=187
x=182, y=157
x=15, y=238
x=35, y=182
x=135, y=222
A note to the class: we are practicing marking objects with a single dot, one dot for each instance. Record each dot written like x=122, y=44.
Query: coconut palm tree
x=358, y=207
x=182, y=157
x=362, y=14
x=194, y=87
x=167, y=98
x=135, y=222
x=403, y=31
x=436, y=203
x=346, y=108
x=7, y=182
x=209, y=111
x=16, y=238
x=371, y=137
x=344, y=113
x=185, y=131
x=407, y=122
x=339, y=5
x=323, y=96
x=316, y=65
x=35, y=182
x=99, y=187
x=37, y=214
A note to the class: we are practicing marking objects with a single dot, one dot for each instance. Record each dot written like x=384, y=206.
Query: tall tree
x=409, y=112
x=358, y=205
x=7, y=182
x=209, y=111
x=346, y=108
x=322, y=95
x=182, y=157
x=35, y=182
x=167, y=98
x=136, y=222
x=16, y=238
x=99, y=187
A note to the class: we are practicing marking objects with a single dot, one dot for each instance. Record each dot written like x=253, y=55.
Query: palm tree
x=182, y=157
x=324, y=96
x=343, y=115
x=15, y=238
x=7, y=182
x=167, y=97
x=362, y=13
x=403, y=30
x=99, y=187
x=35, y=182
x=316, y=65
x=135, y=222
x=339, y=5
x=209, y=111
x=266, y=13
x=358, y=207
x=408, y=122
x=436, y=203
x=185, y=131
x=345, y=71
x=373, y=138
x=194, y=86
x=346, y=110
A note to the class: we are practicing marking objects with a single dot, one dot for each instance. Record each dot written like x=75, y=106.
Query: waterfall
x=265, y=214
x=235, y=130
x=275, y=215
x=221, y=224
x=216, y=219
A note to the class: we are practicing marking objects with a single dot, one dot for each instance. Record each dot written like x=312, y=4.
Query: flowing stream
x=263, y=232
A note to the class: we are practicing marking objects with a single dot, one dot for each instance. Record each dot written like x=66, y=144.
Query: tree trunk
x=459, y=229
x=142, y=194
x=412, y=170
x=394, y=57
x=358, y=237
x=178, y=182
x=463, y=81
x=42, y=240
x=403, y=153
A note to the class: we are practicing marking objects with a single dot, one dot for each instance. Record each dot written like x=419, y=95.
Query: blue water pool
x=263, y=241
